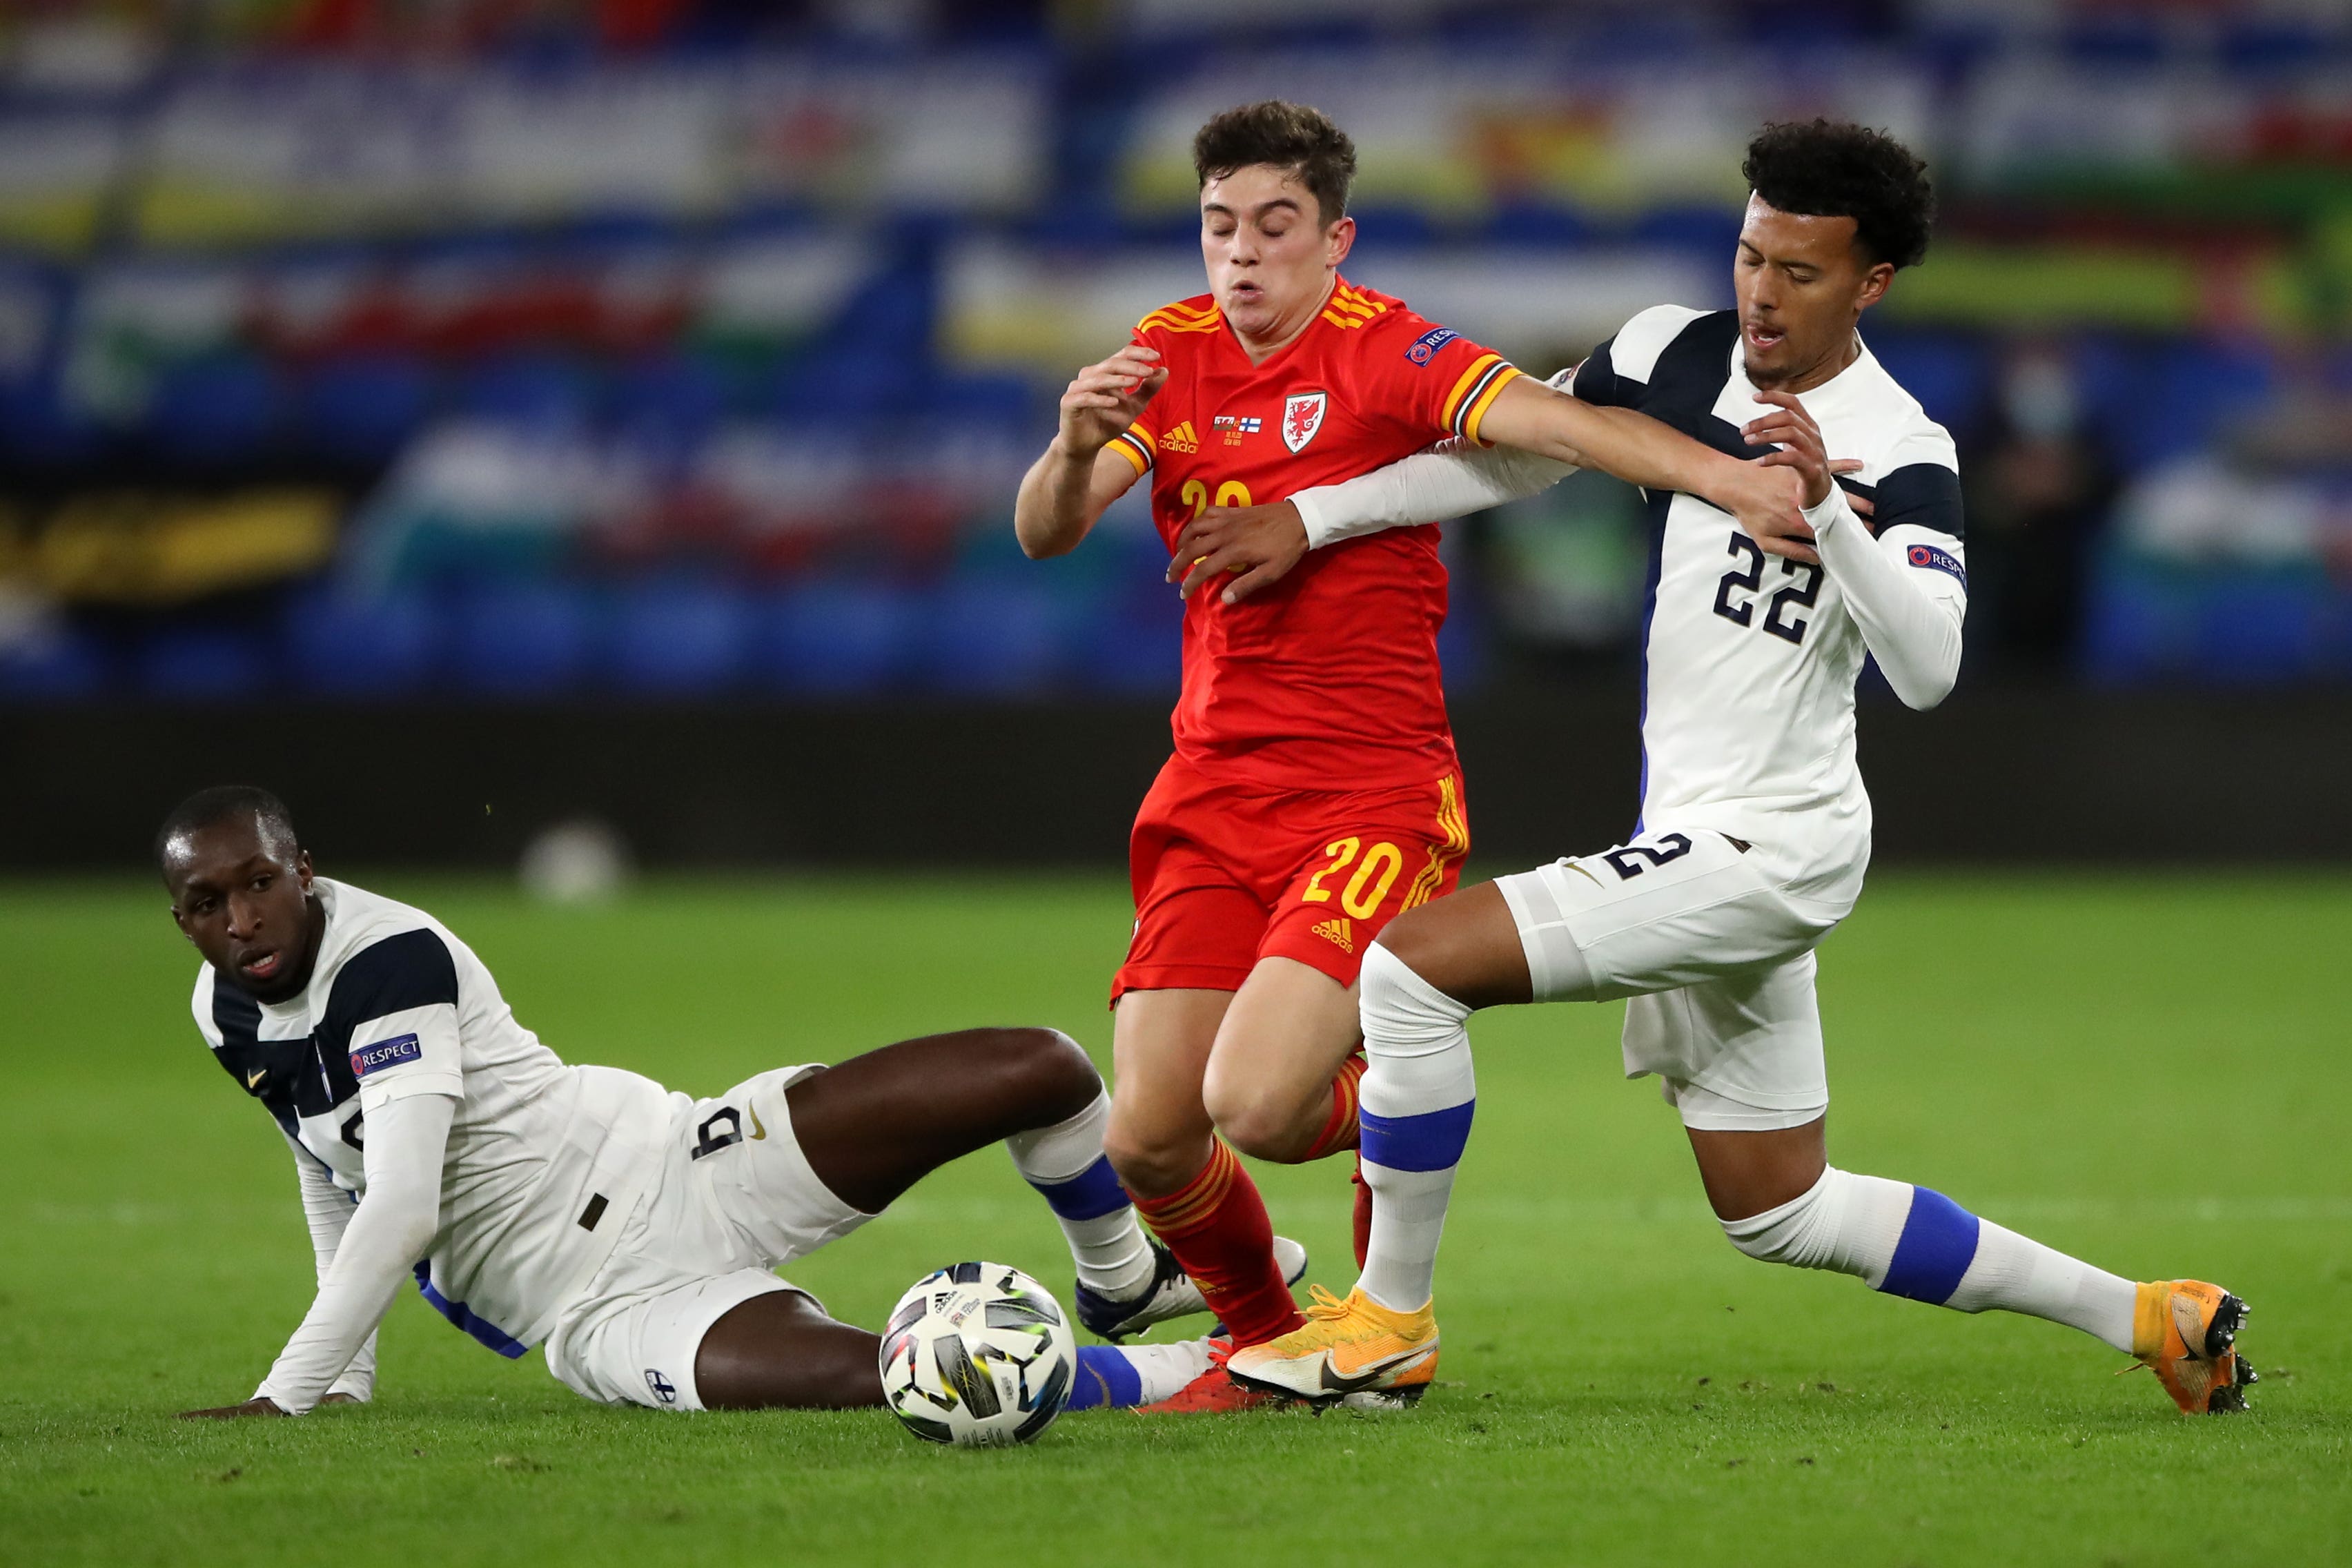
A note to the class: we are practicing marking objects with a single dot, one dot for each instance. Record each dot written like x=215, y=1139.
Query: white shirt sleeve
x=1451, y=479
x=407, y=1139
x=1905, y=590
x=329, y=1209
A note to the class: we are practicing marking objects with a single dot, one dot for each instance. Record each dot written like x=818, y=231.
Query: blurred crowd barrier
x=671, y=348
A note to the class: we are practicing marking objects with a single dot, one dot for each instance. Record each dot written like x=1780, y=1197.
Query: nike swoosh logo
x=758, y=1132
x=255, y=1076
x=1345, y=1385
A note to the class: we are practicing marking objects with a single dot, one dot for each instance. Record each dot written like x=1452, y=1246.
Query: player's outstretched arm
x=1640, y=451
x=1078, y=476
x=1259, y=545
x=407, y=1139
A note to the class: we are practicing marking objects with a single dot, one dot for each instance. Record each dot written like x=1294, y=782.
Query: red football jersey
x=1329, y=680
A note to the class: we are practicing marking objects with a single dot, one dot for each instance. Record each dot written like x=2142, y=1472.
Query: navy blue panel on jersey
x=1654, y=520
x=273, y=1072
x=413, y=969
x=1688, y=379
x=1924, y=495
x=1597, y=380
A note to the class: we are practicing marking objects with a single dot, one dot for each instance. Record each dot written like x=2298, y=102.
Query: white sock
x=1916, y=1242
x=1162, y=1371
x=1066, y=1162
x=1418, y=1097
x=2019, y=1274
x=1120, y=1377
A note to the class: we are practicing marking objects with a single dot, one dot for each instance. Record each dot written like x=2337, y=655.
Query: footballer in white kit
x=630, y=1229
x=1754, y=832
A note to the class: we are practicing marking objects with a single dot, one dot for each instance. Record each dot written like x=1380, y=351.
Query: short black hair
x=1829, y=168
x=1300, y=140
x=207, y=806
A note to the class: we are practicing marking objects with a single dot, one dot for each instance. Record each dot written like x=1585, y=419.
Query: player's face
x=1270, y=255
x=1802, y=283
x=243, y=896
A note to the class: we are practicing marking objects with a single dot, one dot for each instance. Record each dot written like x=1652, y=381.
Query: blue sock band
x=1937, y=1243
x=1090, y=1195
x=1430, y=1143
x=1105, y=1378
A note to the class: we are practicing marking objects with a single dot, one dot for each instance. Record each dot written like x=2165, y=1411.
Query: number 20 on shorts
x=1376, y=873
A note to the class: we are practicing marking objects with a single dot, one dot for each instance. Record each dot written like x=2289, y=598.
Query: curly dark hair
x=1290, y=136
x=1833, y=169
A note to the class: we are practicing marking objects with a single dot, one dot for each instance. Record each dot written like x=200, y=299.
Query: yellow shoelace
x=1322, y=1304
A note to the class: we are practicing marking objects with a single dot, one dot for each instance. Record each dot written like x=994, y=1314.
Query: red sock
x=1343, y=1129
x=1216, y=1226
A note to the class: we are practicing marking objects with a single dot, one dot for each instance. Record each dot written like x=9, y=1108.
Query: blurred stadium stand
x=688, y=351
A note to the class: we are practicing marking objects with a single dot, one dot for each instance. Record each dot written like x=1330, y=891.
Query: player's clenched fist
x=1108, y=397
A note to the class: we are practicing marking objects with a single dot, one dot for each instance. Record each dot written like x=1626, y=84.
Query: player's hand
x=1790, y=428
x=257, y=1406
x=1260, y=544
x=1107, y=397
x=1766, y=501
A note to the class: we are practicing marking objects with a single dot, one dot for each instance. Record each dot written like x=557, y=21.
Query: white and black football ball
x=978, y=1355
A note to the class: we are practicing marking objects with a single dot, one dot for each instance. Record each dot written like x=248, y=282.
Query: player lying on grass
x=630, y=1228
x=1755, y=827
x=1314, y=794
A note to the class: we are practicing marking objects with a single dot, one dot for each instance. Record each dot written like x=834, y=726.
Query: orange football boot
x=2185, y=1332
x=1354, y=1350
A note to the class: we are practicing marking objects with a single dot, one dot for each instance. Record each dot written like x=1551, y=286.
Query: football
x=979, y=1355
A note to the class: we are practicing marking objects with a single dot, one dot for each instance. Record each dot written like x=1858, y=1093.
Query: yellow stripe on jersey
x=1347, y=307
x=1182, y=318
x=1478, y=367
x=1134, y=444
x=1479, y=404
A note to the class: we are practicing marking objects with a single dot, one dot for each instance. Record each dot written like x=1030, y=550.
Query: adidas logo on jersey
x=1183, y=438
x=1339, y=931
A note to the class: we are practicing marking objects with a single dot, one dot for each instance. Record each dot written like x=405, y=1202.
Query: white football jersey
x=1749, y=660
x=543, y=1159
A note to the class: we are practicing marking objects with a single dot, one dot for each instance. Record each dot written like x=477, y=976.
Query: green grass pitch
x=2155, y=1072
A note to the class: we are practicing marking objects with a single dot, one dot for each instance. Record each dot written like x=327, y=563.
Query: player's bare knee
x=1041, y=1070
x=1416, y=939
x=1257, y=1119
x=1151, y=1159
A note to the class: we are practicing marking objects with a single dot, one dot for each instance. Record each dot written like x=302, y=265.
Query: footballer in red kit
x=1314, y=791
x=1313, y=794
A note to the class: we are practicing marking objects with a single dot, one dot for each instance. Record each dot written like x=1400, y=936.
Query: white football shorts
x=734, y=1199
x=1716, y=961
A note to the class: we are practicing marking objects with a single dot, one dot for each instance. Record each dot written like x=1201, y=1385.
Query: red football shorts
x=1226, y=875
